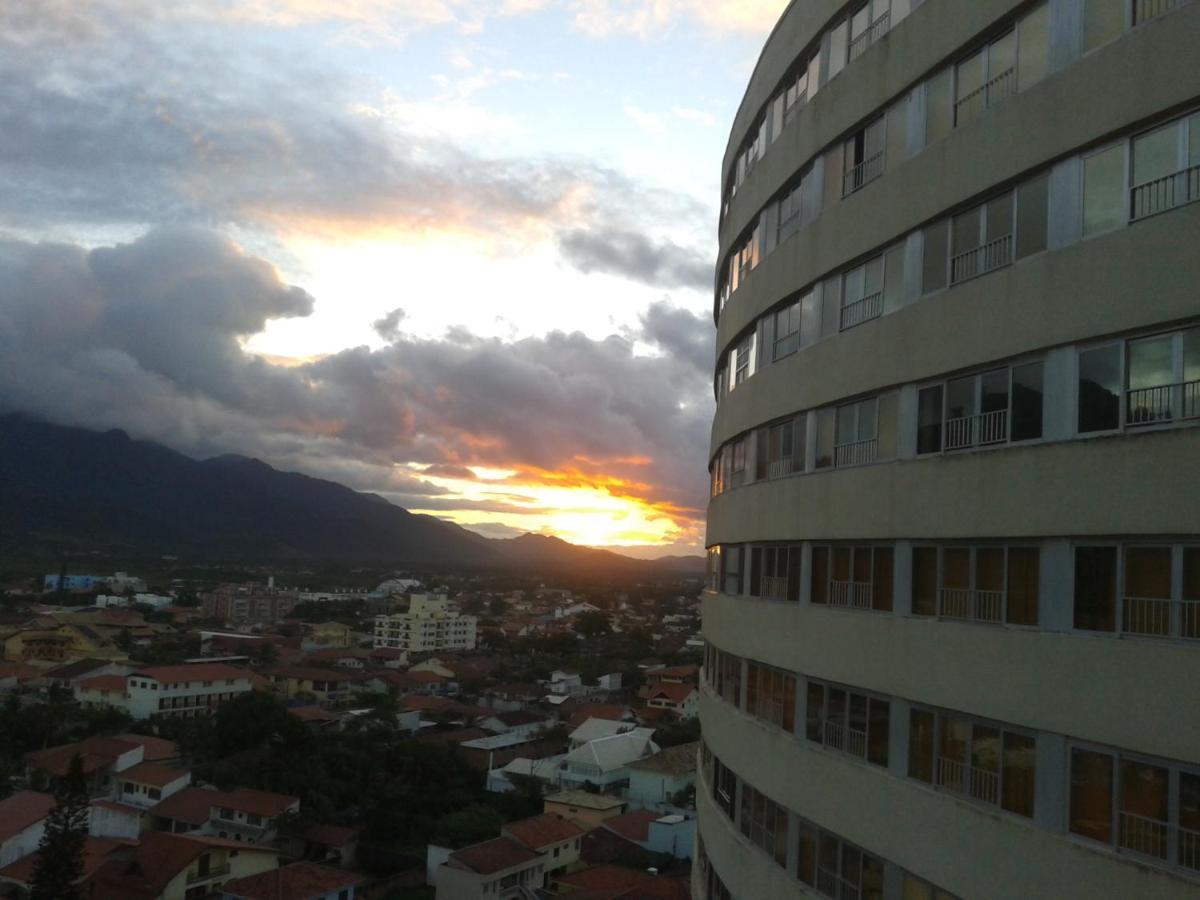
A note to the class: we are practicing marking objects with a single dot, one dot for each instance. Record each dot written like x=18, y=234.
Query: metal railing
x=840, y=737
x=213, y=872
x=987, y=95
x=995, y=254
x=1163, y=403
x=1156, y=616
x=780, y=468
x=768, y=710
x=968, y=780
x=975, y=605
x=1189, y=849
x=1148, y=837
x=833, y=885
x=874, y=32
x=854, y=594
x=971, y=431
x=869, y=307
x=858, y=453
x=1165, y=193
x=774, y=588
x=863, y=173
x=1144, y=10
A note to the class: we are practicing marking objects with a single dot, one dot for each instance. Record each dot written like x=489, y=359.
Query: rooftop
x=21, y=810
x=153, y=774
x=676, y=693
x=193, y=672
x=614, y=751
x=679, y=760
x=584, y=800
x=299, y=881
x=542, y=831
x=493, y=856
x=112, y=683
x=633, y=826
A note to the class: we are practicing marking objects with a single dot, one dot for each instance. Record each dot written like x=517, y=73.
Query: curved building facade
x=953, y=603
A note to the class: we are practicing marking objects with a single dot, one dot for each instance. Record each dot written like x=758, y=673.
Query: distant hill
x=71, y=489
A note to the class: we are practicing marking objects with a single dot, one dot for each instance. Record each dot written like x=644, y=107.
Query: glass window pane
x=1191, y=363
x=881, y=579
x=920, y=745
x=1019, y=774
x=814, y=75
x=820, y=575
x=877, y=732
x=1023, y=574
x=1002, y=55
x=939, y=107
x=1095, y=588
x=1144, y=790
x=1189, y=808
x=989, y=569
x=956, y=568
x=1194, y=140
x=825, y=437
x=924, y=581
x=935, y=262
x=807, y=864
x=960, y=398
x=999, y=217
x=985, y=748
x=970, y=74
x=967, y=233
x=1156, y=155
x=1191, y=573
x=993, y=391
x=868, y=418
x=1033, y=52
x=1151, y=362
x=841, y=563
x=873, y=276
x=1148, y=572
x=893, y=282
x=1032, y=216
x=810, y=317
x=915, y=889
x=954, y=738
x=897, y=134
x=929, y=420
x=854, y=285
x=1027, y=402
x=814, y=711
x=831, y=312
x=860, y=21
x=839, y=43
x=872, y=878
x=1103, y=21
x=1099, y=389
x=1092, y=795
x=885, y=426
x=1104, y=201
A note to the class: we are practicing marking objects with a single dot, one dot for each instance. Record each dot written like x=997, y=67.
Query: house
x=546, y=770
x=327, y=685
x=498, y=868
x=101, y=758
x=689, y=674
x=16, y=879
x=673, y=835
x=243, y=814
x=298, y=881
x=585, y=809
x=493, y=750
x=655, y=782
x=183, y=691
x=598, y=728
x=58, y=643
x=429, y=626
x=70, y=674
x=15, y=676
x=613, y=712
x=603, y=762
x=512, y=695
x=681, y=700
x=564, y=683
x=330, y=634
x=517, y=721
x=22, y=821
x=555, y=837
x=145, y=784
x=616, y=882
x=175, y=867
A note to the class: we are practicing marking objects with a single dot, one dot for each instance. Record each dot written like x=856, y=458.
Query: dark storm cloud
x=680, y=333
x=146, y=336
x=636, y=256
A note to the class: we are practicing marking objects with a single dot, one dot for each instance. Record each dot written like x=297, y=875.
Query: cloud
x=633, y=255
x=649, y=18
x=700, y=117
x=648, y=122
x=388, y=327
x=147, y=336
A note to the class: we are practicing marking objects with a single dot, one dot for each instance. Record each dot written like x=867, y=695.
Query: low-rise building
x=429, y=626
x=681, y=700
x=242, y=814
x=657, y=781
x=327, y=685
x=585, y=809
x=184, y=691
x=145, y=784
x=22, y=823
x=555, y=837
x=603, y=763
x=102, y=759
x=498, y=868
x=298, y=881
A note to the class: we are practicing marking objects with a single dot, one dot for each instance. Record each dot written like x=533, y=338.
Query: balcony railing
x=1166, y=193
x=1189, y=849
x=833, y=885
x=987, y=95
x=774, y=588
x=976, y=606
x=1148, y=837
x=1144, y=10
x=854, y=594
x=985, y=258
x=768, y=710
x=977, y=431
x=1163, y=403
x=212, y=872
x=1161, y=617
x=858, y=453
x=968, y=780
x=863, y=173
x=869, y=307
x=840, y=737
x=877, y=29
x=780, y=468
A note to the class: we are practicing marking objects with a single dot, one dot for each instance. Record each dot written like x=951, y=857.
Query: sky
x=457, y=253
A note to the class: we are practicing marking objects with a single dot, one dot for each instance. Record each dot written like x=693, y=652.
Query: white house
x=604, y=762
x=22, y=822
x=184, y=691
x=655, y=782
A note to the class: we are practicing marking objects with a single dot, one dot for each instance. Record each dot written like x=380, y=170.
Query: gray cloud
x=388, y=327
x=681, y=334
x=145, y=336
x=636, y=256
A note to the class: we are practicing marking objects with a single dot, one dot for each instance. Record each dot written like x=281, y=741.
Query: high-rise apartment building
x=429, y=626
x=953, y=610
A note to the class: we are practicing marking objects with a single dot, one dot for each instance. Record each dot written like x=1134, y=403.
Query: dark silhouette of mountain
x=76, y=490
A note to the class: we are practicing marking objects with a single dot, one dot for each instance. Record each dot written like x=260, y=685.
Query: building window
x=862, y=293
x=1100, y=380
x=713, y=574
x=771, y=695
x=982, y=584
x=934, y=268
x=839, y=44
x=724, y=788
x=726, y=677
x=843, y=720
x=858, y=433
x=1163, y=378
x=836, y=868
x=985, y=78
x=978, y=760
x=740, y=363
x=1104, y=193
x=737, y=471
x=775, y=573
x=979, y=410
x=765, y=823
x=780, y=449
x=1103, y=21
x=939, y=106
x=854, y=577
x=787, y=331
x=982, y=239
x=863, y=156
x=1166, y=167
x=1146, y=603
x=731, y=578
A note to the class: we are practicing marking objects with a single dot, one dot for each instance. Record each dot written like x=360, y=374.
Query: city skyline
x=337, y=237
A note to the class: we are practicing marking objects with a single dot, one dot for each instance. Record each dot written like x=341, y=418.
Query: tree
x=60, y=854
x=265, y=654
x=464, y=827
x=593, y=624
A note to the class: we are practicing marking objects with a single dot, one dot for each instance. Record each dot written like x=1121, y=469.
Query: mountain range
x=66, y=489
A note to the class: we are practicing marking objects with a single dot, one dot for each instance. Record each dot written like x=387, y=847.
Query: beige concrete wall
x=957, y=845
x=1127, y=693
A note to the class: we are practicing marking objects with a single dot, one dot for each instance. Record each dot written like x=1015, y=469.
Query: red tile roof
x=95, y=852
x=493, y=856
x=154, y=749
x=658, y=888
x=110, y=683
x=95, y=753
x=192, y=805
x=611, y=711
x=676, y=693
x=633, y=826
x=542, y=831
x=194, y=672
x=313, y=714
x=159, y=857
x=331, y=835
x=21, y=810
x=153, y=774
x=259, y=803
x=299, y=881
x=17, y=670
x=616, y=878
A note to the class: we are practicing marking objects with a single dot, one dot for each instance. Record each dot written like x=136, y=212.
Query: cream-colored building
x=953, y=609
x=429, y=626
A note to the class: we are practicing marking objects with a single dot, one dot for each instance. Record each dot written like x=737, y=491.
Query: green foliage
x=593, y=624
x=684, y=731
x=60, y=853
x=253, y=720
x=464, y=827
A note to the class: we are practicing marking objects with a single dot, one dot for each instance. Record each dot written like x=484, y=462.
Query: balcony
x=1161, y=617
x=780, y=468
x=1163, y=403
x=206, y=874
x=972, y=105
x=1144, y=10
x=857, y=453
x=995, y=254
x=839, y=737
x=1165, y=193
x=878, y=29
x=774, y=588
x=977, y=431
x=852, y=594
x=971, y=605
x=869, y=307
x=959, y=778
x=862, y=174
